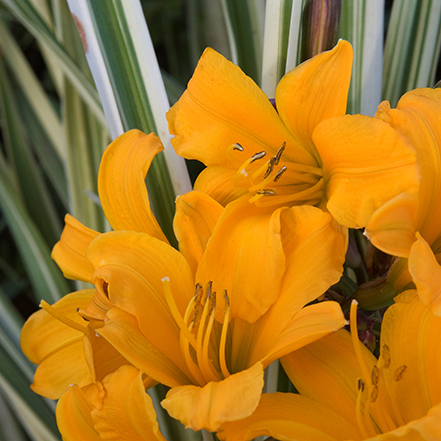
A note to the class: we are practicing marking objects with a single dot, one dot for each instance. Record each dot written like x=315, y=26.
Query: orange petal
x=310, y=324
x=221, y=107
x=132, y=265
x=417, y=118
x=122, y=331
x=366, y=163
x=392, y=227
x=121, y=184
x=216, y=182
x=56, y=347
x=208, y=407
x=328, y=369
x=291, y=417
x=314, y=91
x=194, y=222
x=426, y=428
x=70, y=251
x=250, y=264
x=73, y=416
x=426, y=274
x=123, y=410
x=412, y=333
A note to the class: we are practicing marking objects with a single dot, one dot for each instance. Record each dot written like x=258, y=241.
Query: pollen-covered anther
x=360, y=385
x=374, y=394
x=398, y=374
x=385, y=352
x=375, y=375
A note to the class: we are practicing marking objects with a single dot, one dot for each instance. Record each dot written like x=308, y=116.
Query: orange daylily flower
x=347, y=394
x=305, y=152
x=158, y=308
x=408, y=225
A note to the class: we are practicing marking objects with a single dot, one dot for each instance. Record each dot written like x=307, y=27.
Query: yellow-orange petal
x=194, y=222
x=122, y=331
x=222, y=107
x=56, y=347
x=328, y=368
x=392, y=227
x=123, y=410
x=426, y=274
x=427, y=428
x=74, y=415
x=311, y=323
x=365, y=163
x=291, y=417
x=250, y=264
x=131, y=266
x=314, y=91
x=210, y=406
x=417, y=117
x=70, y=251
x=412, y=332
x=121, y=184
x=216, y=182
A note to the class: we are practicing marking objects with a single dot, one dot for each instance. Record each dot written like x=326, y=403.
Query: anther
x=374, y=394
x=375, y=375
x=266, y=192
x=398, y=375
x=280, y=173
x=105, y=289
x=360, y=385
x=279, y=153
x=238, y=147
x=258, y=156
x=385, y=352
x=270, y=168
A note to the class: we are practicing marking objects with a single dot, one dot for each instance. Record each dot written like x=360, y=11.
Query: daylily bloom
x=305, y=152
x=158, y=308
x=408, y=226
x=348, y=394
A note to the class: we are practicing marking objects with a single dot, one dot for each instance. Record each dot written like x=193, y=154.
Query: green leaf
x=45, y=276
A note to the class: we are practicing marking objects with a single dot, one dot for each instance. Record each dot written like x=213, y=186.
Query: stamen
x=280, y=173
x=223, y=339
x=192, y=366
x=207, y=366
x=398, y=374
x=279, y=153
x=175, y=311
x=62, y=318
x=358, y=413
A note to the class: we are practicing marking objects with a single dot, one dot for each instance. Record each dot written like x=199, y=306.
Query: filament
x=62, y=318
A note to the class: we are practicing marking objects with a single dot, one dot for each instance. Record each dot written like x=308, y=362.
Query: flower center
x=202, y=339
x=375, y=418
x=278, y=181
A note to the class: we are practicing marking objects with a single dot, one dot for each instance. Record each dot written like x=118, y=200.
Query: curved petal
x=70, y=251
x=121, y=185
x=222, y=107
x=427, y=428
x=365, y=163
x=426, y=274
x=123, y=410
x=417, y=117
x=209, y=407
x=73, y=416
x=131, y=267
x=392, y=227
x=250, y=264
x=56, y=347
x=309, y=324
x=216, y=182
x=314, y=91
x=194, y=221
x=327, y=369
x=122, y=331
x=412, y=333
x=291, y=417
